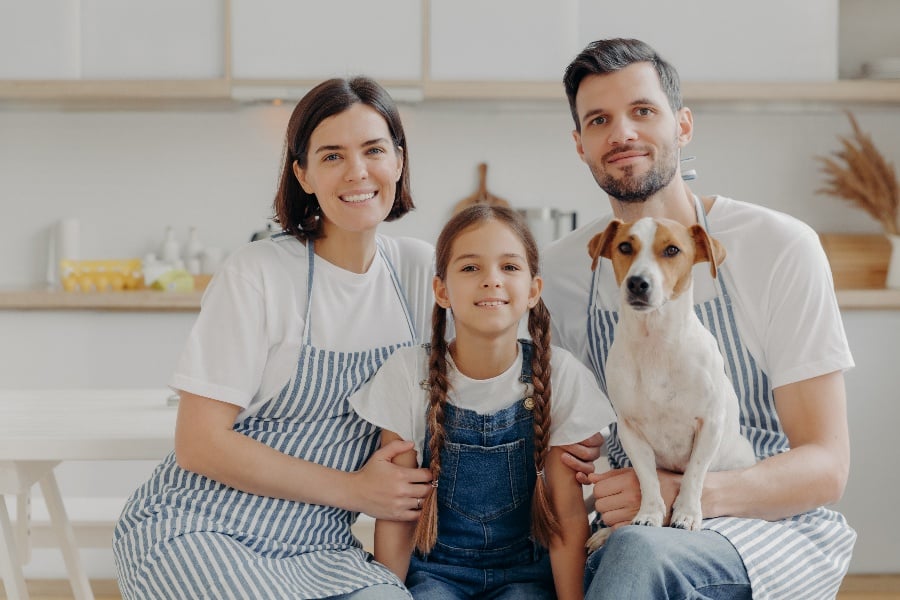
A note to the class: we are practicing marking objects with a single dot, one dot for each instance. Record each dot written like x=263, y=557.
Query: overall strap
x=311, y=254
x=527, y=354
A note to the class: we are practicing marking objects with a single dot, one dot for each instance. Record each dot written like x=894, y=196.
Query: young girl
x=271, y=465
x=486, y=413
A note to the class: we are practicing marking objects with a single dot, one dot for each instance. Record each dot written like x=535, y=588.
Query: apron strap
x=395, y=279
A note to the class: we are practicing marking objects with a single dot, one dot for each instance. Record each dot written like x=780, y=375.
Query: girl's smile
x=489, y=286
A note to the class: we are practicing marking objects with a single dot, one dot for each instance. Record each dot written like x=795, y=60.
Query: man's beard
x=635, y=189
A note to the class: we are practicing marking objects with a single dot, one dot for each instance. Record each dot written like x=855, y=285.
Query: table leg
x=23, y=526
x=13, y=578
x=81, y=587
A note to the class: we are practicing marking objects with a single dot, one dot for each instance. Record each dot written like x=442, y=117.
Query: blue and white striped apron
x=182, y=535
x=803, y=557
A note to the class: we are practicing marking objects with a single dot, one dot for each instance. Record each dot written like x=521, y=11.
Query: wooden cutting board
x=858, y=261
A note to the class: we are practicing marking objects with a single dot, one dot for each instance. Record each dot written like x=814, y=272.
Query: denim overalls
x=484, y=547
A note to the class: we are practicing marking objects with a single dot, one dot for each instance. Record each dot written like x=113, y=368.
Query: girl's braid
x=438, y=387
x=544, y=523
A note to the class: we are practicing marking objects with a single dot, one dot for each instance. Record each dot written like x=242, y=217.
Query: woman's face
x=352, y=168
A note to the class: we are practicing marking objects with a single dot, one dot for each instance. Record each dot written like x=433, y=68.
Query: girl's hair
x=544, y=522
x=298, y=212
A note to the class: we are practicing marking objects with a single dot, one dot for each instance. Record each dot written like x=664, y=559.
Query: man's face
x=629, y=135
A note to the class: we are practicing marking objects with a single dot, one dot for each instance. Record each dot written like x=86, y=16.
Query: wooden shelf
x=851, y=91
x=217, y=91
x=114, y=89
x=153, y=301
x=869, y=299
x=847, y=90
x=133, y=301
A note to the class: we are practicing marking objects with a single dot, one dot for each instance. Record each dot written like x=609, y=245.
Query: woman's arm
x=394, y=540
x=567, y=552
x=206, y=444
x=812, y=473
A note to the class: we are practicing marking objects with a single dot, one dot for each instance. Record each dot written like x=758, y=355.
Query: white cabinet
x=312, y=40
x=39, y=40
x=502, y=40
x=711, y=40
x=761, y=51
x=111, y=40
x=163, y=39
x=869, y=31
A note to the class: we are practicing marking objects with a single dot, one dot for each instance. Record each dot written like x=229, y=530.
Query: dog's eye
x=625, y=248
x=671, y=250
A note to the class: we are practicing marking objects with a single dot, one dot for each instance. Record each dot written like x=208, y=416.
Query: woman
x=271, y=464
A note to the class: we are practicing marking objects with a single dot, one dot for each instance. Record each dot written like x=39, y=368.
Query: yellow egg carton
x=101, y=275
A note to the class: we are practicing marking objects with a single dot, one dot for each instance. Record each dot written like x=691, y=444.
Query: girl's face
x=488, y=285
x=353, y=169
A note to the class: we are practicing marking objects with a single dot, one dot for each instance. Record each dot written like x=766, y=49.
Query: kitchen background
x=128, y=162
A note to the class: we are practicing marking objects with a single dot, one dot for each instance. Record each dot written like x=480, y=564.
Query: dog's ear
x=601, y=244
x=707, y=249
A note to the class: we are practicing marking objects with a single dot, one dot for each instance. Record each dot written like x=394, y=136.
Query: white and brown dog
x=676, y=408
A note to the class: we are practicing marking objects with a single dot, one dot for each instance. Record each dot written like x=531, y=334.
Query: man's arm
x=812, y=473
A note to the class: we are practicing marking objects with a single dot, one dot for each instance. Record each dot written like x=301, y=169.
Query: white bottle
x=194, y=248
x=169, y=251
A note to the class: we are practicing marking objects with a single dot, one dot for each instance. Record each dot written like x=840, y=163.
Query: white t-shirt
x=245, y=344
x=394, y=399
x=776, y=274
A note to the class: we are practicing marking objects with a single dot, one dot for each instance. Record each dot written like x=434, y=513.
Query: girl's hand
x=389, y=491
x=617, y=494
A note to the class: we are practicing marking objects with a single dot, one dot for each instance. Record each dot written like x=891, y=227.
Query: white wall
x=126, y=175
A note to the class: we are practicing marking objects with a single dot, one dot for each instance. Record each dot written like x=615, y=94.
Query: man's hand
x=580, y=457
x=617, y=494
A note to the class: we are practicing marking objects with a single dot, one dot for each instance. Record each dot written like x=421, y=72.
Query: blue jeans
x=646, y=563
x=529, y=580
x=375, y=592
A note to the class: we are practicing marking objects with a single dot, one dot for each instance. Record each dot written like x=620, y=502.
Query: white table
x=41, y=428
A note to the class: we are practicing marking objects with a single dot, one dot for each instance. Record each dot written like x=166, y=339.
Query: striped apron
x=802, y=557
x=182, y=535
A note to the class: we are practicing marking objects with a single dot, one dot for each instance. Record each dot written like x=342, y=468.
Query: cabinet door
x=163, y=39
x=304, y=39
x=711, y=40
x=39, y=40
x=502, y=40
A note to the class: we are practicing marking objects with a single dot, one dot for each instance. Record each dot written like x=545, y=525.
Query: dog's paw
x=648, y=518
x=686, y=520
x=598, y=538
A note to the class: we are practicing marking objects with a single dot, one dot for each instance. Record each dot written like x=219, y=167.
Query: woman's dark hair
x=607, y=56
x=544, y=523
x=298, y=212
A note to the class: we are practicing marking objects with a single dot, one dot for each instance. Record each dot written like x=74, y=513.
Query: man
x=774, y=312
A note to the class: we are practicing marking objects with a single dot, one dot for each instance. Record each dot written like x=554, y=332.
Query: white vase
x=893, y=274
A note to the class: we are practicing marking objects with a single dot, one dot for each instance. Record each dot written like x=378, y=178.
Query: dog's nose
x=638, y=285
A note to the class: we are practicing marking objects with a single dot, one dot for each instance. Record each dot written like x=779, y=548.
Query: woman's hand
x=617, y=494
x=386, y=489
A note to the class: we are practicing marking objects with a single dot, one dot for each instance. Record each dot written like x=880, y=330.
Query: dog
x=676, y=408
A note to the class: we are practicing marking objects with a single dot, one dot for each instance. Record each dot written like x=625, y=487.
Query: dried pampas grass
x=865, y=179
